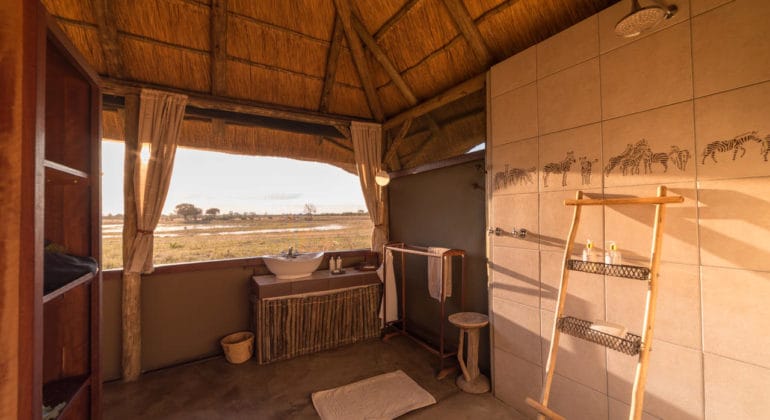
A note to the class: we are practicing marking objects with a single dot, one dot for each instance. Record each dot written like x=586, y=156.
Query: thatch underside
x=285, y=53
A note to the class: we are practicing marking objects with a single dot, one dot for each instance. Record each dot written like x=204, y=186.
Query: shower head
x=642, y=18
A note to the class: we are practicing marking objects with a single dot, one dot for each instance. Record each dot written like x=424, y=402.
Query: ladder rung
x=543, y=409
x=617, y=201
x=580, y=328
x=615, y=270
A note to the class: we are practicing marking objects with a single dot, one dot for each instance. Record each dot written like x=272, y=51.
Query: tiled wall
x=562, y=116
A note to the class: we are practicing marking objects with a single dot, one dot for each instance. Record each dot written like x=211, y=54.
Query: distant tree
x=212, y=211
x=188, y=211
x=310, y=210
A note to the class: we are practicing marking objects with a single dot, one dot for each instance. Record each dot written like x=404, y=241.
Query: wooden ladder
x=630, y=344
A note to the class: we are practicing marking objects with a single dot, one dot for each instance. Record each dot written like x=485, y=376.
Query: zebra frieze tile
x=571, y=159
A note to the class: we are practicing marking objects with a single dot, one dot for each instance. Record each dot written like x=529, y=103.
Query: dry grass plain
x=177, y=241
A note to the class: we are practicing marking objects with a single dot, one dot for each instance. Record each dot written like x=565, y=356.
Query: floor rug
x=385, y=396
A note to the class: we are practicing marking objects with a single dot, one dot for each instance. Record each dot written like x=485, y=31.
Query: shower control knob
x=496, y=231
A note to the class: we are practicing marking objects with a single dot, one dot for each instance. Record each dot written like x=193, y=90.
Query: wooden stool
x=471, y=381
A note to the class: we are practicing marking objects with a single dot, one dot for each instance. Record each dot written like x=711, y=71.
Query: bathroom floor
x=214, y=389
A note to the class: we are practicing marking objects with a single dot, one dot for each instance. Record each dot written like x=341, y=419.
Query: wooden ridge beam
x=452, y=94
x=331, y=66
x=108, y=37
x=383, y=59
x=122, y=88
x=469, y=30
x=395, y=18
x=218, y=32
x=359, y=59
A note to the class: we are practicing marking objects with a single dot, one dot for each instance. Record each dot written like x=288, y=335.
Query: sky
x=240, y=183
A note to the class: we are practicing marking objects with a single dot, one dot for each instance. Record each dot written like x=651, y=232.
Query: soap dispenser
x=588, y=251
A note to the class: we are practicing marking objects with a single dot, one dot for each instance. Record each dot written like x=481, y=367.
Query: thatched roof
x=324, y=62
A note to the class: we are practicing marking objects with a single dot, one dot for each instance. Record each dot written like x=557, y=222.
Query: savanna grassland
x=179, y=241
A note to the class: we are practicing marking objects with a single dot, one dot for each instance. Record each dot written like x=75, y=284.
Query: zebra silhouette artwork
x=679, y=157
x=735, y=144
x=766, y=147
x=513, y=176
x=649, y=158
x=586, y=167
x=562, y=167
x=615, y=160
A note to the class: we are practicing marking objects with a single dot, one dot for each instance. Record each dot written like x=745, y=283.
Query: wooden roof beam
x=331, y=66
x=359, y=59
x=218, y=32
x=204, y=101
x=395, y=18
x=391, y=155
x=470, y=31
x=450, y=95
x=108, y=37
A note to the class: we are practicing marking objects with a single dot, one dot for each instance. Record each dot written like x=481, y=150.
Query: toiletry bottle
x=588, y=250
x=331, y=264
x=608, y=251
x=616, y=258
x=339, y=263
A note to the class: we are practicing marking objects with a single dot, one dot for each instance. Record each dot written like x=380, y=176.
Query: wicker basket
x=238, y=346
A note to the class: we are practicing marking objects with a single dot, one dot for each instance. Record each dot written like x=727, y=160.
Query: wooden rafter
x=452, y=94
x=496, y=10
x=108, y=37
x=331, y=65
x=469, y=30
x=338, y=144
x=218, y=47
x=359, y=59
x=391, y=157
x=383, y=59
x=395, y=18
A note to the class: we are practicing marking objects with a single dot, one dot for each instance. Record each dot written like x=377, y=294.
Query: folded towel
x=438, y=278
x=389, y=313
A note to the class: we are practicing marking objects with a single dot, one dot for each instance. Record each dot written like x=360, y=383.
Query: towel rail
x=442, y=352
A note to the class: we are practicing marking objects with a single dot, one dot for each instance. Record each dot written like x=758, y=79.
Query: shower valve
x=497, y=231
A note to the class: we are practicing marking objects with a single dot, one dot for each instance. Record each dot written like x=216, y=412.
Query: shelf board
x=62, y=174
x=615, y=270
x=64, y=391
x=630, y=344
x=85, y=278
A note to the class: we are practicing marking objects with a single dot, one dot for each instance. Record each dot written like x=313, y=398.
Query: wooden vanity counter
x=264, y=287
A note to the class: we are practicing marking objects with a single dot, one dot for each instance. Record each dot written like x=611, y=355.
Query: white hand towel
x=389, y=313
x=438, y=278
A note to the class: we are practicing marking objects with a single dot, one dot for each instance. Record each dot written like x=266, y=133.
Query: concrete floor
x=214, y=389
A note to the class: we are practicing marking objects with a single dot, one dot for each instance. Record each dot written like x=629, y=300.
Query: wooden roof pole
x=331, y=65
x=218, y=47
x=362, y=66
x=470, y=31
x=395, y=18
x=108, y=37
x=391, y=155
x=452, y=94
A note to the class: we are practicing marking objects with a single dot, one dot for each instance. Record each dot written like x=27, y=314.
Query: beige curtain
x=367, y=147
x=159, y=122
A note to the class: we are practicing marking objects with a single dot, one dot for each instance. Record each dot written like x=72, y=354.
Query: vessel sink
x=295, y=267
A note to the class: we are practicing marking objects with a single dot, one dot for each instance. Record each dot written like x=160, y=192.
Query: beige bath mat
x=385, y=396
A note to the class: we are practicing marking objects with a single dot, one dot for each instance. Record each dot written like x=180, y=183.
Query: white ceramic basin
x=300, y=266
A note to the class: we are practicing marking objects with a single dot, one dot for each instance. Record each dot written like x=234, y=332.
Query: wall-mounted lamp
x=642, y=19
x=382, y=178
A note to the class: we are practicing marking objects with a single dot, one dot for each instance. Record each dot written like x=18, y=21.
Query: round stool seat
x=469, y=320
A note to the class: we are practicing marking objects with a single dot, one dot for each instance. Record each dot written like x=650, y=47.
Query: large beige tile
x=569, y=98
x=735, y=223
x=677, y=316
x=649, y=73
x=729, y=48
x=517, y=329
x=513, y=72
x=576, y=401
x=619, y=411
x=630, y=226
x=571, y=159
x=569, y=47
x=733, y=133
x=517, y=211
x=577, y=359
x=516, y=275
x=651, y=147
x=735, y=390
x=702, y=6
x=585, y=292
x=514, y=115
x=610, y=16
x=556, y=218
x=674, y=388
x=514, y=167
x=515, y=379
x=736, y=313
